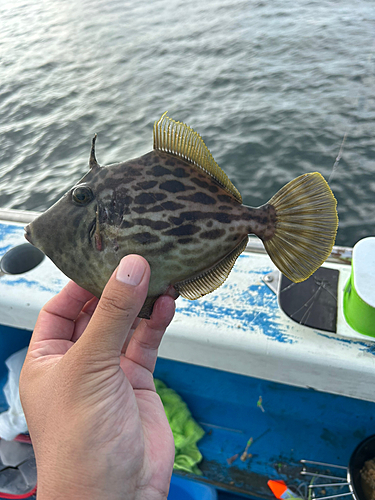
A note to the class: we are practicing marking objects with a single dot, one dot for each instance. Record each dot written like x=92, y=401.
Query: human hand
x=98, y=427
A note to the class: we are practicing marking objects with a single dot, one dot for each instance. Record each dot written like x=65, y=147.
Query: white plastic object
x=12, y=421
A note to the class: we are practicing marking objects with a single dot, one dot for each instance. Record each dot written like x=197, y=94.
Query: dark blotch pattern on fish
x=125, y=224
x=225, y=198
x=213, y=234
x=108, y=183
x=132, y=172
x=177, y=221
x=158, y=171
x=153, y=224
x=121, y=198
x=148, y=198
x=180, y=172
x=174, y=186
x=147, y=160
x=187, y=230
x=159, y=206
x=167, y=247
x=145, y=238
x=198, y=182
x=231, y=238
x=184, y=241
x=199, y=197
x=197, y=215
x=224, y=218
x=143, y=210
x=171, y=205
x=147, y=184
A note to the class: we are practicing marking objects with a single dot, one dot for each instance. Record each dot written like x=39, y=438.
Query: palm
x=121, y=408
x=159, y=444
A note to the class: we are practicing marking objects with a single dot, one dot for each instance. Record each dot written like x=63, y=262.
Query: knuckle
x=146, y=345
x=114, y=305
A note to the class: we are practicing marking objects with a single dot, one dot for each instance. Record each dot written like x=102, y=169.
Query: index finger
x=57, y=318
x=144, y=344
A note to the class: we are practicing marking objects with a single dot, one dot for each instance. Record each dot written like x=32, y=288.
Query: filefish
x=179, y=210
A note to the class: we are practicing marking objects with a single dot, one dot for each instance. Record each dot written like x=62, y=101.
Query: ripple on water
x=272, y=87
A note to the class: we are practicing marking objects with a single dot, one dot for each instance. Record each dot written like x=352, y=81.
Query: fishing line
x=338, y=158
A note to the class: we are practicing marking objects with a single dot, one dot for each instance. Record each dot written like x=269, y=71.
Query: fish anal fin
x=210, y=280
x=181, y=140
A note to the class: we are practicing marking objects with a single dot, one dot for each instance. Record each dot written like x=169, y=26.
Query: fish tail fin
x=305, y=226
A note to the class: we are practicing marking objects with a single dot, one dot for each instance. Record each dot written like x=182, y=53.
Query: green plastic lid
x=359, y=293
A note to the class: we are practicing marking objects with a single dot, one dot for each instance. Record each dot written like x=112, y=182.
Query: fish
x=178, y=209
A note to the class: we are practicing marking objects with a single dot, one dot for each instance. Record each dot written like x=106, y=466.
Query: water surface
x=273, y=87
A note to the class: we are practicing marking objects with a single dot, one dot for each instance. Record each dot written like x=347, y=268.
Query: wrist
x=61, y=490
x=77, y=482
x=74, y=490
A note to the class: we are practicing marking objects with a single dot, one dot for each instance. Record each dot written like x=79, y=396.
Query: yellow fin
x=179, y=139
x=306, y=226
x=210, y=280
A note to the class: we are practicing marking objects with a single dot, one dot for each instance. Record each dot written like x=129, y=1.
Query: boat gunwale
x=339, y=254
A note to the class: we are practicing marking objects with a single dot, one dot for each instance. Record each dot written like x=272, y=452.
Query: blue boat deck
x=295, y=424
x=291, y=424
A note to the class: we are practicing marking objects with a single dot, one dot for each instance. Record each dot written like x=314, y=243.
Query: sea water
x=272, y=87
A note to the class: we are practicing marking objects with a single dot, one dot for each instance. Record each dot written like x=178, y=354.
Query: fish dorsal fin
x=210, y=280
x=179, y=139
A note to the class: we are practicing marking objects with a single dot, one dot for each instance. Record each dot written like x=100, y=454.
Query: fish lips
x=28, y=234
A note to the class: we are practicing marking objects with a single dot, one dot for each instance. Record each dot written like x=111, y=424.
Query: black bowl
x=364, y=451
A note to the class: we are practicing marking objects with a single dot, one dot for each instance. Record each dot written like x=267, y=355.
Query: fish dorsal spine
x=181, y=140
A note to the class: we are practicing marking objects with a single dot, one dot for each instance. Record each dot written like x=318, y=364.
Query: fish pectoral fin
x=210, y=280
x=181, y=140
x=306, y=225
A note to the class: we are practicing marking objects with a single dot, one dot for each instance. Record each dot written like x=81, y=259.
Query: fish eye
x=82, y=195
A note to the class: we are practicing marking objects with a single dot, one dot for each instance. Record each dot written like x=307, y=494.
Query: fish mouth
x=28, y=234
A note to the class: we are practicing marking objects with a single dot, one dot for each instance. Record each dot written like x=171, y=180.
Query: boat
x=280, y=376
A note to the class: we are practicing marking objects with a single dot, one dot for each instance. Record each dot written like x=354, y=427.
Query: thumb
x=118, y=306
